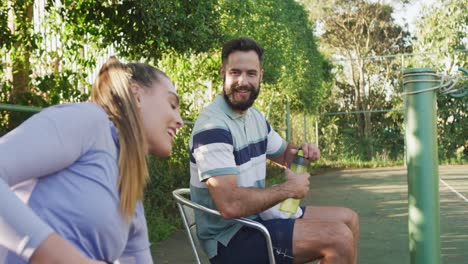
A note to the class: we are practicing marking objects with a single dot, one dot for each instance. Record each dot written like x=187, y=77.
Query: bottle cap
x=299, y=158
x=300, y=153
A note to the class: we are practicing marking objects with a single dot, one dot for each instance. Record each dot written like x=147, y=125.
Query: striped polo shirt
x=225, y=142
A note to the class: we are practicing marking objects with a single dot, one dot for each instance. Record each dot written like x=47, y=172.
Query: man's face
x=242, y=75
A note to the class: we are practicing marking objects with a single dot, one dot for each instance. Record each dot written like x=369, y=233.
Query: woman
x=72, y=176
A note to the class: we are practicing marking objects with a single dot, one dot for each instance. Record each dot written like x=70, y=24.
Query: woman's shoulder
x=83, y=108
x=86, y=111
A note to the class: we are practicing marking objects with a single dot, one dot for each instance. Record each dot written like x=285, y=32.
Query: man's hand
x=297, y=184
x=311, y=152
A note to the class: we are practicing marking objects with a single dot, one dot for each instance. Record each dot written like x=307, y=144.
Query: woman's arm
x=55, y=250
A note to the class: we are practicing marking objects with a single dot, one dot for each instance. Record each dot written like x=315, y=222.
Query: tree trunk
x=368, y=136
x=365, y=125
x=19, y=60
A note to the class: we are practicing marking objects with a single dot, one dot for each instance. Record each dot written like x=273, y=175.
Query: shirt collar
x=221, y=102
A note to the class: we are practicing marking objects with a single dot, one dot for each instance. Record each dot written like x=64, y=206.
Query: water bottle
x=299, y=164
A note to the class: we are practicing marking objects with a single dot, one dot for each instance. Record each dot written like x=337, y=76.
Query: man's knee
x=343, y=241
x=351, y=217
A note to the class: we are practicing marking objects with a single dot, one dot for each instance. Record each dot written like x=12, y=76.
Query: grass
x=352, y=163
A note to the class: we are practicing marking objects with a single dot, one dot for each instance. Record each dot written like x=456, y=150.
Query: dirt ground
x=379, y=196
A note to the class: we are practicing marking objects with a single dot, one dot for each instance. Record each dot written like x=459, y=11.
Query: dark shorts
x=248, y=245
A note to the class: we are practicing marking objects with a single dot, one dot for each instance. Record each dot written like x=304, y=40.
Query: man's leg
x=327, y=233
x=247, y=246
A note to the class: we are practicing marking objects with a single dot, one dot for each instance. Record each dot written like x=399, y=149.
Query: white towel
x=275, y=213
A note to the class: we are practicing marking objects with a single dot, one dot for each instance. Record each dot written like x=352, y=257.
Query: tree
x=442, y=33
x=353, y=32
x=16, y=37
x=49, y=62
x=293, y=65
x=147, y=28
x=442, y=29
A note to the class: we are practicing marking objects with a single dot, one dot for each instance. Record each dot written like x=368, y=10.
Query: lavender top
x=59, y=173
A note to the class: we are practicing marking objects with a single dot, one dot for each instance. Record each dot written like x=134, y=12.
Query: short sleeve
x=276, y=144
x=212, y=151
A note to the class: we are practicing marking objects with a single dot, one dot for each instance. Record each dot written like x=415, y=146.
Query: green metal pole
x=269, y=106
x=316, y=132
x=305, y=127
x=20, y=108
x=288, y=122
x=422, y=165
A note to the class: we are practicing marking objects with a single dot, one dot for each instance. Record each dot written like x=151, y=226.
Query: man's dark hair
x=241, y=44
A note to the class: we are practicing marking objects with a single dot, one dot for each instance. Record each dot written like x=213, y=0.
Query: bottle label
x=289, y=205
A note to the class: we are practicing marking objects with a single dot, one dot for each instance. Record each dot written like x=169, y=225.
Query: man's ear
x=136, y=92
x=222, y=72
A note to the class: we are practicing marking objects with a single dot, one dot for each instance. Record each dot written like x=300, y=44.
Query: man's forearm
x=248, y=201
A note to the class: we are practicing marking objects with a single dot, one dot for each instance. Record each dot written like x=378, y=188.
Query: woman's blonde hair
x=112, y=92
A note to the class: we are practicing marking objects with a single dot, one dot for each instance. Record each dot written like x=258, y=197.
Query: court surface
x=380, y=198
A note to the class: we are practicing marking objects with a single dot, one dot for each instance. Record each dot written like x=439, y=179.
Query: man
x=229, y=146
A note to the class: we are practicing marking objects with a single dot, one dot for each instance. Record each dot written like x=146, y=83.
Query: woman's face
x=160, y=114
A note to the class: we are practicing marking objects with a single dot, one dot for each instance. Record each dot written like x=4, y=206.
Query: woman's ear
x=136, y=92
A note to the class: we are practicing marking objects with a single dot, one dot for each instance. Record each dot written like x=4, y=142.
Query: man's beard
x=243, y=105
